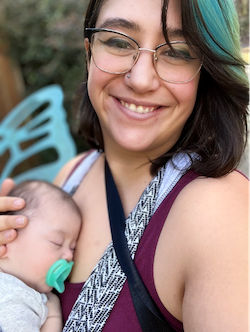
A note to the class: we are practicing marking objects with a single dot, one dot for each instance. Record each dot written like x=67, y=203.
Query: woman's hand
x=9, y=223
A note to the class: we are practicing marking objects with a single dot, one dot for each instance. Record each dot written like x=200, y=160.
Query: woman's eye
x=173, y=54
x=118, y=43
x=177, y=53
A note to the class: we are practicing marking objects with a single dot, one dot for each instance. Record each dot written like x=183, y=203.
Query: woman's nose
x=68, y=255
x=143, y=77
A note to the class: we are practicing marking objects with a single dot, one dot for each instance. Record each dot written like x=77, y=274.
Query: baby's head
x=51, y=234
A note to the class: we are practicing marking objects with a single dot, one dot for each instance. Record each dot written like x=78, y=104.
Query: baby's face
x=50, y=235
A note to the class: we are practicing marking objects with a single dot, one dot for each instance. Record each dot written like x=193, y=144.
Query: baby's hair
x=32, y=191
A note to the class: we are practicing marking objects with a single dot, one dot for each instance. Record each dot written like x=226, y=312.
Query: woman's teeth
x=137, y=109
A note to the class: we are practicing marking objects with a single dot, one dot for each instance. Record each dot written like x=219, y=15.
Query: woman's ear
x=87, y=49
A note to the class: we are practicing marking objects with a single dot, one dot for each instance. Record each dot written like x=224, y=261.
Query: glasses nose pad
x=155, y=60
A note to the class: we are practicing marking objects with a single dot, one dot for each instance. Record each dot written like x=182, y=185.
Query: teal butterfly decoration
x=36, y=125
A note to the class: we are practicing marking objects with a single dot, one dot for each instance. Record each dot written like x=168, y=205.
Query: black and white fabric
x=101, y=290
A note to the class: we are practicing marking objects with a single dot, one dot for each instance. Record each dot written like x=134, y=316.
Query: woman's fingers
x=8, y=226
x=11, y=203
x=2, y=250
x=8, y=222
x=6, y=187
x=8, y=203
x=7, y=236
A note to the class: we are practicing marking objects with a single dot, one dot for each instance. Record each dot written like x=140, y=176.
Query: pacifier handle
x=58, y=273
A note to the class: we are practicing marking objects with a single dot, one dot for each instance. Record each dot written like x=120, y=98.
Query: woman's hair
x=217, y=127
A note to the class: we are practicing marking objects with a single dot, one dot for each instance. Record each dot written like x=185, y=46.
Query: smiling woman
x=221, y=59
x=164, y=106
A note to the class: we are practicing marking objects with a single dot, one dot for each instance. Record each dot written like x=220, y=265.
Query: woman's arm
x=201, y=260
x=216, y=269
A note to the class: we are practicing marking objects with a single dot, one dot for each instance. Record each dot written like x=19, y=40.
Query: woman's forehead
x=143, y=14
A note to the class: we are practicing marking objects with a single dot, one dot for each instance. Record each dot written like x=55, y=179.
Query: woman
x=165, y=82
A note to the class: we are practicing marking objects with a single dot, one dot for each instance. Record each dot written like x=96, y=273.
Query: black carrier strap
x=148, y=314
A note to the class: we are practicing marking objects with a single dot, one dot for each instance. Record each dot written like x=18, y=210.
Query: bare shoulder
x=213, y=234
x=214, y=208
x=64, y=172
x=231, y=188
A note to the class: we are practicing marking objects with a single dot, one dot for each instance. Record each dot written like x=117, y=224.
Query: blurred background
x=41, y=43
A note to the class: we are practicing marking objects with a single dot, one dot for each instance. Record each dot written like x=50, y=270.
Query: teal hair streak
x=220, y=30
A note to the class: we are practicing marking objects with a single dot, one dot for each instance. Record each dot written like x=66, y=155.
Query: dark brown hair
x=33, y=190
x=217, y=127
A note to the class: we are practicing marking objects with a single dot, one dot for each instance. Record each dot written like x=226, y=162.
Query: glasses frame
x=94, y=30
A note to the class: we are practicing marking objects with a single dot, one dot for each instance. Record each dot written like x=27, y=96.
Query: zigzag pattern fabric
x=103, y=287
x=100, y=292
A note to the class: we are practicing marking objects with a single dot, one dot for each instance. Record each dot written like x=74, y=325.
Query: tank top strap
x=79, y=171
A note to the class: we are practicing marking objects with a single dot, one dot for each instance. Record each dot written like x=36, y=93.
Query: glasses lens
x=177, y=64
x=112, y=52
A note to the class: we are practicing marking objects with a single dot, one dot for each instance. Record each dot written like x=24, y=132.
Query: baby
x=39, y=260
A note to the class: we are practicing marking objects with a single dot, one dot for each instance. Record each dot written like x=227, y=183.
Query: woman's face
x=124, y=127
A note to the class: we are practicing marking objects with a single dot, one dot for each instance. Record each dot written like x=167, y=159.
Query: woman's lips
x=138, y=108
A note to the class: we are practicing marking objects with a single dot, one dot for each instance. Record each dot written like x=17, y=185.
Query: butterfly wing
x=25, y=132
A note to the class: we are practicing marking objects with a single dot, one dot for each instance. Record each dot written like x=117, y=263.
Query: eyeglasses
x=116, y=53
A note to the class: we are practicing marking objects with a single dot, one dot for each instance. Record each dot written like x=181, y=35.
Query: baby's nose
x=68, y=255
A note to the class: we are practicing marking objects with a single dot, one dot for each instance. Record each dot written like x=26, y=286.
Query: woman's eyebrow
x=116, y=23
x=119, y=23
x=174, y=33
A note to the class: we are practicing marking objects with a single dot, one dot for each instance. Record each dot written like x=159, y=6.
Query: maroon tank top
x=123, y=316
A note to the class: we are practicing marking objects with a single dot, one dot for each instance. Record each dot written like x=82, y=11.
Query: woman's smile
x=130, y=109
x=138, y=108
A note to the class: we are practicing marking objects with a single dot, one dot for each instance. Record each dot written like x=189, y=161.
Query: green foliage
x=242, y=7
x=46, y=38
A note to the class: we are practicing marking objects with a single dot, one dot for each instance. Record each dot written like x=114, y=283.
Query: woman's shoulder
x=231, y=186
x=67, y=168
x=208, y=196
x=212, y=214
x=207, y=233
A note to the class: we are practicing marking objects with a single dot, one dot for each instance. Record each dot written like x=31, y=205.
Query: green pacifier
x=58, y=273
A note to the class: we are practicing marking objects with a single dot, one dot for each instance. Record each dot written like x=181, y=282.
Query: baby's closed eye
x=58, y=244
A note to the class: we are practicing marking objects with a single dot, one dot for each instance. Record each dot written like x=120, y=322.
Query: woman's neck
x=131, y=175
